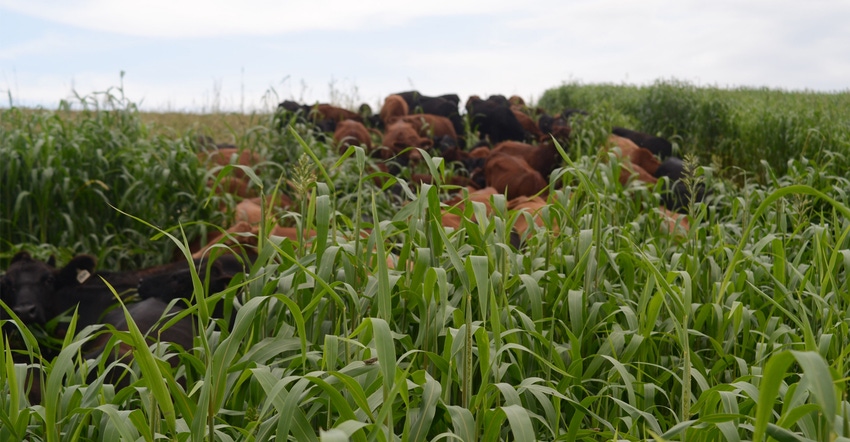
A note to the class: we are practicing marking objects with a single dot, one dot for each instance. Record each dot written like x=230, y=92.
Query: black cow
x=38, y=292
x=658, y=146
x=678, y=197
x=443, y=105
x=494, y=121
x=177, y=284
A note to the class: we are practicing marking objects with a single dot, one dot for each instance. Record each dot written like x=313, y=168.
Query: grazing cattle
x=37, y=291
x=530, y=205
x=658, y=146
x=334, y=113
x=447, y=147
x=475, y=169
x=399, y=136
x=513, y=176
x=451, y=98
x=231, y=155
x=480, y=152
x=678, y=197
x=232, y=185
x=635, y=160
x=431, y=126
x=459, y=202
x=244, y=234
x=645, y=159
x=150, y=317
x=674, y=223
x=293, y=107
x=177, y=284
x=351, y=133
x=627, y=146
x=557, y=127
x=516, y=100
x=528, y=125
x=543, y=158
x=251, y=210
x=365, y=112
x=237, y=183
x=444, y=106
x=493, y=121
x=628, y=170
x=394, y=106
x=499, y=99
x=323, y=116
x=452, y=218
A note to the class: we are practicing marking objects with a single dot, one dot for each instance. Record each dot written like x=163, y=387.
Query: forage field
x=602, y=326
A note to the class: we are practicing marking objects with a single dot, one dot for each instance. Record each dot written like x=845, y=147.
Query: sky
x=217, y=55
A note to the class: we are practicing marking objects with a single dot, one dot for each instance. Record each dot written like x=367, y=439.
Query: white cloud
x=727, y=43
x=46, y=43
x=203, y=18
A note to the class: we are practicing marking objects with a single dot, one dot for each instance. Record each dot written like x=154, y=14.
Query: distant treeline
x=732, y=128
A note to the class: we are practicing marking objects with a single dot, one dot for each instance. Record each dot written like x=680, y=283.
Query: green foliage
x=603, y=326
x=735, y=128
x=58, y=179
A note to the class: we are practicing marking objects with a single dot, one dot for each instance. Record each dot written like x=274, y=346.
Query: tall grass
x=600, y=327
x=60, y=176
x=733, y=128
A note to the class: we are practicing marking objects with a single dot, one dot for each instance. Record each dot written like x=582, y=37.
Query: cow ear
x=78, y=270
x=21, y=256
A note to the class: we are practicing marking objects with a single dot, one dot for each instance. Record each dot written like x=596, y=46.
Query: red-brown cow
x=512, y=175
x=394, y=106
x=351, y=133
x=399, y=136
x=528, y=125
x=430, y=126
x=231, y=155
x=543, y=158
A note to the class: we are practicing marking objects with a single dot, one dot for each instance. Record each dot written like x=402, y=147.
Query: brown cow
x=530, y=205
x=351, y=133
x=626, y=145
x=238, y=186
x=636, y=160
x=480, y=152
x=430, y=126
x=394, y=106
x=251, y=210
x=528, y=125
x=628, y=170
x=512, y=175
x=330, y=112
x=543, y=158
x=399, y=136
x=674, y=223
x=644, y=158
x=245, y=234
x=231, y=155
x=453, y=220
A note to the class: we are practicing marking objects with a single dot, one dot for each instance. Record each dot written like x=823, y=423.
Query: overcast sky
x=201, y=55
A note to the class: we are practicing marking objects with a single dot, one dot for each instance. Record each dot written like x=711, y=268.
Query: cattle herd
x=500, y=146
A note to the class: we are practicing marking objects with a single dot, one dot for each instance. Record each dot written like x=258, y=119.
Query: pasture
x=388, y=326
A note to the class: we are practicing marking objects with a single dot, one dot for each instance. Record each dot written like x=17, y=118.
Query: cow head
x=29, y=286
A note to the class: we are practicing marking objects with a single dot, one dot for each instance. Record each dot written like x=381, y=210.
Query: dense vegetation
x=734, y=129
x=602, y=327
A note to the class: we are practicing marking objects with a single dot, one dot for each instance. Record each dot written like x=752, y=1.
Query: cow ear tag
x=82, y=275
